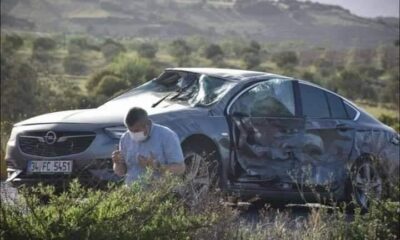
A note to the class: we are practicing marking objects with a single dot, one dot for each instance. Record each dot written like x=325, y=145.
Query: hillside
x=269, y=21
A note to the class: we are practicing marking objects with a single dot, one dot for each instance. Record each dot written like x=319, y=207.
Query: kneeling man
x=146, y=144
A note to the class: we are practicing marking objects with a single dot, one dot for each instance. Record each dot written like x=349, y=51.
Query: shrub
x=148, y=209
x=147, y=50
x=95, y=78
x=111, y=49
x=75, y=64
x=131, y=69
x=110, y=85
x=44, y=44
x=18, y=89
x=286, y=59
x=393, y=122
x=214, y=53
x=11, y=43
x=180, y=50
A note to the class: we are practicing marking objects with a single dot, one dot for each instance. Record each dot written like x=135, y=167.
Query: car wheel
x=200, y=173
x=366, y=182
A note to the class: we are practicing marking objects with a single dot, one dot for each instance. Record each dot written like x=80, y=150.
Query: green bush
x=286, y=59
x=147, y=50
x=149, y=209
x=110, y=85
x=393, y=122
x=44, y=44
x=111, y=49
x=18, y=89
x=180, y=50
x=75, y=65
x=132, y=69
x=214, y=53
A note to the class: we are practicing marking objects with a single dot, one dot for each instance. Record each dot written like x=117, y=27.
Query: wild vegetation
x=156, y=209
x=53, y=72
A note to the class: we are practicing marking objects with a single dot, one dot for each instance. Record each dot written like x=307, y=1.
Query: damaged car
x=251, y=133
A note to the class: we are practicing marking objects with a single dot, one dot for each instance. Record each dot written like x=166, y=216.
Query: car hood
x=113, y=112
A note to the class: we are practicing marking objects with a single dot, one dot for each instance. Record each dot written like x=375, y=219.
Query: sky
x=368, y=8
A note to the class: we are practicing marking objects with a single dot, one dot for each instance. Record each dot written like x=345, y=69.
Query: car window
x=272, y=98
x=336, y=106
x=350, y=111
x=314, y=103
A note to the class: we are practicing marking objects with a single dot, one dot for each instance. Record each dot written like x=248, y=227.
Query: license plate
x=64, y=166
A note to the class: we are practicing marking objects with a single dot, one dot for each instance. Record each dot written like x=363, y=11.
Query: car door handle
x=343, y=127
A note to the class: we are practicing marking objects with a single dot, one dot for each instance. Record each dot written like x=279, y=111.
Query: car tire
x=201, y=174
x=366, y=182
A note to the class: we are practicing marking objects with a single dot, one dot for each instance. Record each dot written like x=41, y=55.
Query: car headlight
x=115, y=132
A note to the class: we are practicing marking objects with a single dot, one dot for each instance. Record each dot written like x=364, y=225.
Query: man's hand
x=149, y=161
x=119, y=166
x=116, y=157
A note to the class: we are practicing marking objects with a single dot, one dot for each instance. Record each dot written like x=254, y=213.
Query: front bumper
x=92, y=166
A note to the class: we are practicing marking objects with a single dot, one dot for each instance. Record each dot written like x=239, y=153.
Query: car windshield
x=191, y=88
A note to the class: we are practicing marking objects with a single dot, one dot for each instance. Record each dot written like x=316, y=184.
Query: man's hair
x=135, y=115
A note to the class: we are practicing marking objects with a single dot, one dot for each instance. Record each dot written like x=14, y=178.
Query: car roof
x=234, y=74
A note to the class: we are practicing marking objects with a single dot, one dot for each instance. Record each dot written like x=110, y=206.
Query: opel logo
x=50, y=137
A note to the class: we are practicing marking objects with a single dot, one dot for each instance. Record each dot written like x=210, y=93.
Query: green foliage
x=214, y=52
x=11, y=43
x=348, y=82
x=75, y=64
x=81, y=43
x=44, y=44
x=112, y=49
x=381, y=222
x=180, y=50
x=95, y=79
x=110, y=85
x=286, y=59
x=126, y=71
x=147, y=50
x=18, y=89
x=132, y=69
x=391, y=121
x=251, y=55
x=148, y=209
x=391, y=93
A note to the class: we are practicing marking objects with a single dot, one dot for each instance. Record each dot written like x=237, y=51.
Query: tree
x=348, y=82
x=11, y=43
x=147, y=50
x=18, y=89
x=110, y=85
x=42, y=52
x=44, y=44
x=251, y=55
x=251, y=60
x=390, y=93
x=214, y=53
x=129, y=69
x=180, y=50
x=75, y=64
x=286, y=59
x=95, y=79
x=111, y=49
